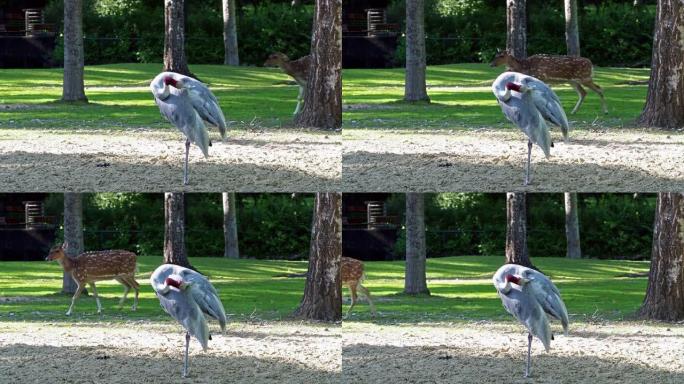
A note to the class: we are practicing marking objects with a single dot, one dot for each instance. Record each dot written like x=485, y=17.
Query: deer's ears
x=65, y=245
x=498, y=50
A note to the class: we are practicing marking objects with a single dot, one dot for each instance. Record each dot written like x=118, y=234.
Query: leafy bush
x=275, y=226
x=133, y=30
x=472, y=30
x=611, y=225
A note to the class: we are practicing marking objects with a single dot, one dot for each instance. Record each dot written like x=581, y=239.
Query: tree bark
x=416, y=60
x=230, y=41
x=174, y=37
x=323, y=290
x=665, y=98
x=665, y=291
x=323, y=94
x=230, y=236
x=571, y=28
x=174, y=230
x=414, y=276
x=516, y=22
x=516, y=230
x=73, y=234
x=572, y=234
x=73, y=88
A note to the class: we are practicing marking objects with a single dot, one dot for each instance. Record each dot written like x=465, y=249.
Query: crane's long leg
x=185, y=171
x=529, y=160
x=185, y=360
x=529, y=352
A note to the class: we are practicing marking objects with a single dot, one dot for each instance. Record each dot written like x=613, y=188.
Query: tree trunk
x=571, y=29
x=323, y=94
x=73, y=234
x=174, y=37
x=72, y=85
x=516, y=230
x=665, y=292
x=414, y=277
x=516, y=22
x=323, y=290
x=665, y=98
x=574, y=251
x=416, y=61
x=230, y=42
x=230, y=236
x=174, y=230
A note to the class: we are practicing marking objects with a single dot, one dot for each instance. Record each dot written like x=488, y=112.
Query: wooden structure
x=26, y=41
x=369, y=40
x=368, y=233
x=26, y=233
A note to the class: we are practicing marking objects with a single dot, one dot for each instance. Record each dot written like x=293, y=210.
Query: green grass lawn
x=119, y=97
x=30, y=291
x=461, y=97
x=461, y=289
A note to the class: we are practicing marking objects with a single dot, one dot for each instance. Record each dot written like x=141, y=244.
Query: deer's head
x=500, y=58
x=57, y=253
x=275, y=59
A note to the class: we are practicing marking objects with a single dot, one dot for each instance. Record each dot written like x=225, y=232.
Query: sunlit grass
x=461, y=289
x=461, y=97
x=248, y=289
x=119, y=97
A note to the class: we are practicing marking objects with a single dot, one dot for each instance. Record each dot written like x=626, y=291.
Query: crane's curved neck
x=164, y=91
x=504, y=286
x=505, y=95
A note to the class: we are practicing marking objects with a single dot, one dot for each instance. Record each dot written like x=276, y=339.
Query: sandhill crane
x=187, y=103
x=297, y=69
x=529, y=296
x=529, y=107
x=187, y=296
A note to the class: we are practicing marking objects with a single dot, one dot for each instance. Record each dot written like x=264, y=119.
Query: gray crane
x=188, y=296
x=187, y=103
x=530, y=296
x=529, y=103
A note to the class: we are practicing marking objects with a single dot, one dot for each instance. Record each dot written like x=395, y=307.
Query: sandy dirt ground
x=485, y=352
x=151, y=161
x=141, y=352
x=483, y=160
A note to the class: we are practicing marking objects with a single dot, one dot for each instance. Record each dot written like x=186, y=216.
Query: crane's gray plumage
x=529, y=107
x=187, y=103
x=530, y=296
x=188, y=296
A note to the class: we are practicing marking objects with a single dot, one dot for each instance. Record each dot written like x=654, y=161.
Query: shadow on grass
x=443, y=364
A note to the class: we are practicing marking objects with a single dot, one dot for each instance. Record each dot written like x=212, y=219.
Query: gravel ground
x=487, y=160
x=151, y=161
x=486, y=352
x=142, y=352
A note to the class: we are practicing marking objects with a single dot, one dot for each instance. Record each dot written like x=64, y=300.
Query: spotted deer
x=297, y=69
x=575, y=70
x=90, y=267
x=352, y=276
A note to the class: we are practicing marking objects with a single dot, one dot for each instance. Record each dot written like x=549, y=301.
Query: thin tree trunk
x=665, y=98
x=572, y=234
x=73, y=234
x=174, y=37
x=516, y=22
x=414, y=276
x=516, y=230
x=323, y=290
x=665, y=292
x=72, y=86
x=323, y=95
x=230, y=41
x=230, y=236
x=571, y=28
x=416, y=61
x=174, y=230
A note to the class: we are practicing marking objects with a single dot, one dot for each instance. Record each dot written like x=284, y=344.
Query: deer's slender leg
x=300, y=98
x=127, y=288
x=366, y=293
x=75, y=297
x=187, y=153
x=581, y=93
x=352, y=290
x=594, y=87
x=97, y=299
x=136, y=288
